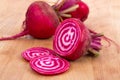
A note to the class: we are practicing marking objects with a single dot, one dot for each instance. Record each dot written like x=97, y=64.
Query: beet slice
x=71, y=39
x=36, y=51
x=49, y=65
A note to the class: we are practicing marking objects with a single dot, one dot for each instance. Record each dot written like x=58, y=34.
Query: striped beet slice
x=71, y=39
x=37, y=51
x=49, y=65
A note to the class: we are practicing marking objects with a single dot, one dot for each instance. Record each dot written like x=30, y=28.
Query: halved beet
x=71, y=39
x=49, y=65
x=36, y=51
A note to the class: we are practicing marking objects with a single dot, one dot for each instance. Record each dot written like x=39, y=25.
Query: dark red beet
x=72, y=40
x=81, y=12
x=73, y=9
x=43, y=17
x=49, y=65
x=31, y=53
x=41, y=21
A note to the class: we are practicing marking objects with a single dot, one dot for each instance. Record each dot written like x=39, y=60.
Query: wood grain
x=104, y=17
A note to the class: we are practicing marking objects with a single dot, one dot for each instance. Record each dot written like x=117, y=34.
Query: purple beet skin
x=49, y=65
x=72, y=40
x=37, y=51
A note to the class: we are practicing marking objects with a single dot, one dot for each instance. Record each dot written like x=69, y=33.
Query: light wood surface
x=104, y=17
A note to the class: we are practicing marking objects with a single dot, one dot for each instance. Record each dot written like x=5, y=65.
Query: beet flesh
x=31, y=53
x=49, y=65
x=71, y=39
x=41, y=22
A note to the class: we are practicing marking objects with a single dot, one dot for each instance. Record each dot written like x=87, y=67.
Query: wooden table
x=104, y=18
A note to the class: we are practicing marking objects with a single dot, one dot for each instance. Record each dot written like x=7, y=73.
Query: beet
x=81, y=12
x=73, y=39
x=49, y=65
x=41, y=21
x=72, y=9
x=37, y=51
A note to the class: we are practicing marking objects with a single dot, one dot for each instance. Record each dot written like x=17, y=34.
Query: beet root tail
x=23, y=33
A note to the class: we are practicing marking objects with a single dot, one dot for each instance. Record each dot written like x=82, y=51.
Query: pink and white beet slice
x=35, y=52
x=49, y=65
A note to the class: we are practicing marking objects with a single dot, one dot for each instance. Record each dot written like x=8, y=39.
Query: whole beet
x=72, y=9
x=41, y=21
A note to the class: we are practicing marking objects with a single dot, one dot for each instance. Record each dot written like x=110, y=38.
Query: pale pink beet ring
x=35, y=52
x=49, y=65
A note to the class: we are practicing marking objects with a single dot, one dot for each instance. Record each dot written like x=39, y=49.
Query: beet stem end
x=66, y=15
x=93, y=52
x=73, y=8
